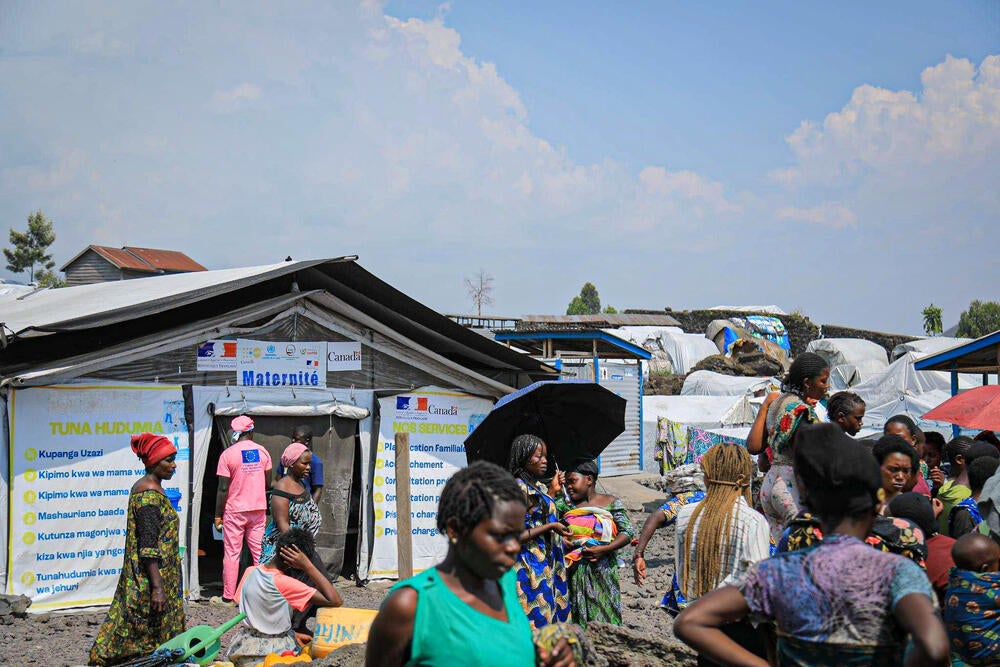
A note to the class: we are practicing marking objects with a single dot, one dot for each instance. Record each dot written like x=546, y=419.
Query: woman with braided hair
x=465, y=609
x=838, y=603
x=542, y=581
x=780, y=416
x=720, y=537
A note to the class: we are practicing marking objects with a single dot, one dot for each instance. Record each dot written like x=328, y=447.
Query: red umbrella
x=977, y=408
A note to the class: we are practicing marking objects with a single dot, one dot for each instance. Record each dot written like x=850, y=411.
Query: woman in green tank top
x=465, y=609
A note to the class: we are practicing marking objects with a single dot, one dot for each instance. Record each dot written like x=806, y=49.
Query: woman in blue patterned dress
x=542, y=583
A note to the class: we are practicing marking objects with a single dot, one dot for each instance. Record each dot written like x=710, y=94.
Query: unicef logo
x=270, y=349
x=289, y=349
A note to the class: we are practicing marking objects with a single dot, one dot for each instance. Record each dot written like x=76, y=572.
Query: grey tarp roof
x=53, y=324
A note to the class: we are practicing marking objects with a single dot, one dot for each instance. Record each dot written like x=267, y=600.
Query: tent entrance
x=336, y=443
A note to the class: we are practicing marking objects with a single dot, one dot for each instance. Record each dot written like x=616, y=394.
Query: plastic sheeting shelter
x=148, y=331
x=682, y=351
x=852, y=360
x=925, y=346
x=901, y=379
x=710, y=383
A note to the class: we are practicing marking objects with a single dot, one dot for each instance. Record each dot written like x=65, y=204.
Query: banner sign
x=271, y=364
x=217, y=355
x=72, y=468
x=343, y=356
x=438, y=423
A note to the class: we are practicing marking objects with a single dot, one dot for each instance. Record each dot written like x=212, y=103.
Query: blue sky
x=840, y=159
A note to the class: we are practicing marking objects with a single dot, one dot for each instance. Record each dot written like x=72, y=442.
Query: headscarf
x=521, y=450
x=842, y=478
x=292, y=453
x=240, y=425
x=152, y=448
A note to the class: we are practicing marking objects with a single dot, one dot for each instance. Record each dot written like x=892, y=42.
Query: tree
x=29, y=248
x=610, y=310
x=588, y=302
x=932, y=321
x=980, y=319
x=480, y=290
x=49, y=278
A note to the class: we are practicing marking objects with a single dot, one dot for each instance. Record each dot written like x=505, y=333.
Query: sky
x=841, y=159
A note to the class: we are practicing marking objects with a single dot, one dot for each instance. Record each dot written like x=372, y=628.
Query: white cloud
x=383, y=137
x=828, y=214
x=955, y=120
x=233, y=99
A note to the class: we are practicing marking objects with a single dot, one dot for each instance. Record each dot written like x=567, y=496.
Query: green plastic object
x=201, y=643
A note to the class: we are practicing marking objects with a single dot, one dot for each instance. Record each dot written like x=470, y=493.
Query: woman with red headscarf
x=148, y=607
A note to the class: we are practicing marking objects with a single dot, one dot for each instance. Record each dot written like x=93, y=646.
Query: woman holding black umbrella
x=542, y=582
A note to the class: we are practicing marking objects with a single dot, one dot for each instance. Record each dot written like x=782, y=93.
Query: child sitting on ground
x=972, y=603
x=268, y=593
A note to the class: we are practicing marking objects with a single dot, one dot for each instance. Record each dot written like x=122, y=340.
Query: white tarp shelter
x=710, y=383
x=927, y=346
x=852, y=360
x=900, y=379
x=682, y=350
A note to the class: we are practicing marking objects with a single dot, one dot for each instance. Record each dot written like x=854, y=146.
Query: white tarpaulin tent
x=710, y=383
x=926, y=346
x=913, y=406
x=900, y=379
x=852, y=360
x=682, y=350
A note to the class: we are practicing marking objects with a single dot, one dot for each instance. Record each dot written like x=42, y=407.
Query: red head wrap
x=152, y=448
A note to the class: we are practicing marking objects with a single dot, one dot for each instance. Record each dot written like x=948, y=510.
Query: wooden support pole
x=404, y=535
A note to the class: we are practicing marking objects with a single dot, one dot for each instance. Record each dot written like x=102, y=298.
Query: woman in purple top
x=838, y=603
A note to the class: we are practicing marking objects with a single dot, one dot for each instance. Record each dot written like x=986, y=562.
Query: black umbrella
x=576, y=419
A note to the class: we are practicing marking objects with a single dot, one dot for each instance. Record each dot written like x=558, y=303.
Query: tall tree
x=932, y=321
x=480, y=290
x=588, y=302
x=29, y=248
x=982, y=317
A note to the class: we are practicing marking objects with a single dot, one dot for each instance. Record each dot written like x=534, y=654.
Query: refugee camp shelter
x=190, y=337
x=598, y=355
x=852, y=360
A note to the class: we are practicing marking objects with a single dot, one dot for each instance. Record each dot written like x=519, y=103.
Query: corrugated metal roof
x=147, y=260
x=166, y=260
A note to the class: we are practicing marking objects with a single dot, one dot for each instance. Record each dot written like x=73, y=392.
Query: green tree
x=932, y=321
x=588, y=302
x=28, y=248
x=980, y=319
x=49, y=278
x=610, y=310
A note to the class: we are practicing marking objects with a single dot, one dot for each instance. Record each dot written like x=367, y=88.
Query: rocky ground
x=644, y=639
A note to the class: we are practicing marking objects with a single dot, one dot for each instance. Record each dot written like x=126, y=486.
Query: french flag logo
x=411, y=403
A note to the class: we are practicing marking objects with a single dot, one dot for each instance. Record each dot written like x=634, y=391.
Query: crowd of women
x=847, y=552
x=277, y=595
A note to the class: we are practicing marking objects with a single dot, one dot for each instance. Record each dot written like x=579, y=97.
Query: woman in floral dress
x=148, y=607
